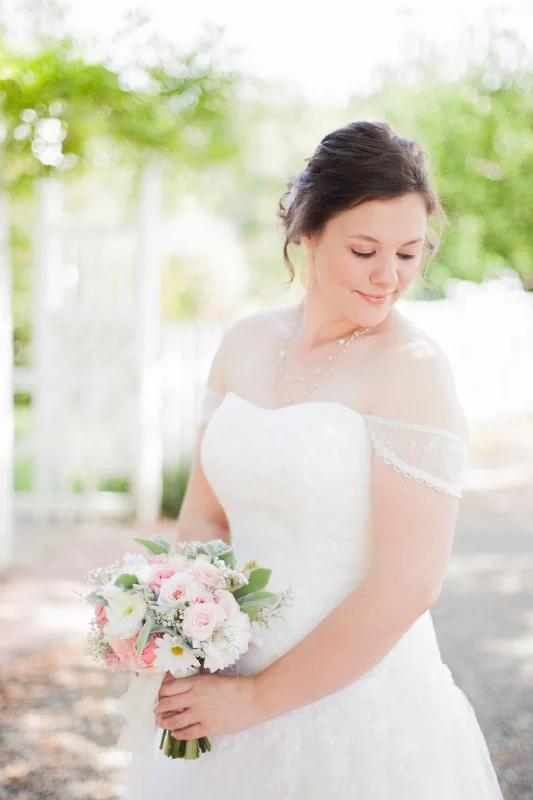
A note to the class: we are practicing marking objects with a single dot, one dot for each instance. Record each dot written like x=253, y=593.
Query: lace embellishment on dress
x=430, y=455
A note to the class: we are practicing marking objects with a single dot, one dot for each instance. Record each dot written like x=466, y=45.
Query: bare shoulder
x=247, y=340
x=412, y=380
x=257, y=324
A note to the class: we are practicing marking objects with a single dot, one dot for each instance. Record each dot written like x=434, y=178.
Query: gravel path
x=58, y=720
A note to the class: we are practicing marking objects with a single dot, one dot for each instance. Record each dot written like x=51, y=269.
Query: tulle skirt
x=396, y=734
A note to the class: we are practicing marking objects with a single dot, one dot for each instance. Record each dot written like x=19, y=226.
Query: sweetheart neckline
x=335, y=403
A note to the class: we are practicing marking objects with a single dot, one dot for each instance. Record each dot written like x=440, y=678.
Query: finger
x=173, y=703
x=171, y=713
x=180, y=721
x=175, y=686
x=193, y=732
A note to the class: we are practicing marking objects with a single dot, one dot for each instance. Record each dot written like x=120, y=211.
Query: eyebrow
x=376, y=241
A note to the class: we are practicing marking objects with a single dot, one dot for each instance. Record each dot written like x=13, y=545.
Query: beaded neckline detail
x=322, y=373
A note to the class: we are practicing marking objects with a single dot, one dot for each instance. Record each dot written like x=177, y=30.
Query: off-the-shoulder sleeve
x=210, y=401
x=432, y=456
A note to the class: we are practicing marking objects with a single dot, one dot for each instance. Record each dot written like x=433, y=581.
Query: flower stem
x=183, y=748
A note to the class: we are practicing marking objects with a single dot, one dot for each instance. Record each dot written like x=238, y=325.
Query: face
x=368, y=256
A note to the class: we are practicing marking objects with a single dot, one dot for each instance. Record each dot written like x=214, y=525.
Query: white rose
x=125, y=614
x=230, y=641
x=135, y=564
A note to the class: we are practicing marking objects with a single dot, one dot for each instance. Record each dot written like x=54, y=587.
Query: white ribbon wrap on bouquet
x=139, y=729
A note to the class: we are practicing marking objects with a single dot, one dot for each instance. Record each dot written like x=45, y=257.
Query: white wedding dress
x=295, y=484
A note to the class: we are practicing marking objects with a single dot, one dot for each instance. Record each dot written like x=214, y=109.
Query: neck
x=318, y=325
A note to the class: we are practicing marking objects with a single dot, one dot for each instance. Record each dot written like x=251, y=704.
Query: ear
x=308, y=242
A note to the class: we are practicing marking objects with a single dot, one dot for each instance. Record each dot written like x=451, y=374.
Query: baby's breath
x=102, y=575
x=96, y=647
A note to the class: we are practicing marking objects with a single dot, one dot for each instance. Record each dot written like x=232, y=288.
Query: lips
x=374, y=298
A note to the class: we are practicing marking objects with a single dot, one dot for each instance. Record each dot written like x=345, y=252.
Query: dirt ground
x=58, y=719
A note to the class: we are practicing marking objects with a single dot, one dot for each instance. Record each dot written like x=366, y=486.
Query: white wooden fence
x=6, y=389
x=95, y=378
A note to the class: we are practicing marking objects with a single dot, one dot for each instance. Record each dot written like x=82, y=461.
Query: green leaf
x=126, y=580
x=251, y=612
x=155, y=546
x=96, y=598
x=144, y=633
x=258, y=597
x=257, y=579
x=228, y=557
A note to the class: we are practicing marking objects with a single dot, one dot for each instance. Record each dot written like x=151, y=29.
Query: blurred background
x=144, y=148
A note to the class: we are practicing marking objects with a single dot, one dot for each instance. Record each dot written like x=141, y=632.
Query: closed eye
x=362, y=255
x=403, y=256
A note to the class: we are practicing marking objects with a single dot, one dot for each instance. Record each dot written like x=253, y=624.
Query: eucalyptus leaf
x=257, y=579
x=127, y=581
x=258, y=597
x=156, y=546
x=228, y=557
x=251, y=612
x=144, y=633
x=96, y=598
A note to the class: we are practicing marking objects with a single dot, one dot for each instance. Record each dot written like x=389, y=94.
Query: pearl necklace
x=342, y=344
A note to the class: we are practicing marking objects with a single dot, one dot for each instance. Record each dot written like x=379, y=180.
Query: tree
x=59, y=109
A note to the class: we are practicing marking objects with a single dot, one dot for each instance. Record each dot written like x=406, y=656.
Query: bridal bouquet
x=178, y=611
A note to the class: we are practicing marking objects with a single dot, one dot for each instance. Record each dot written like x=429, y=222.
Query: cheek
x=409, y=270
x=337, y=268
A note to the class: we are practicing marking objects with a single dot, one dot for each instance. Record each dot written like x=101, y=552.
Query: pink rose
x=125, y=649
x=176, y=588
x=146, y=660
x=201, y=619
x=154, y=559
x=160, y=575
x=227, y=603
x=100, y=616
x=198, y=595
x=207, y=574
x=112, y=660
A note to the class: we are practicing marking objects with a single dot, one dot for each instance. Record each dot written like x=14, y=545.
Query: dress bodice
x=296, y=485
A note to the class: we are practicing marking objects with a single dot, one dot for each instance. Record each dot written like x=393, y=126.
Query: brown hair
x=360, y=162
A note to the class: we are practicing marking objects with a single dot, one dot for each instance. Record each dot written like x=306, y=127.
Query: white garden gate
x=6, y=389
x=95, y=381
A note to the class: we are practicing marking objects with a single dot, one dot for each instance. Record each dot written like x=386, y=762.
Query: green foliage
x=62, y=110
x=155, y=546
x=174, y=486
x=126, y=581
x=478, y=132
x=257, y=580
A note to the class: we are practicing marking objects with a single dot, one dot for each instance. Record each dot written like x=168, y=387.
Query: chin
x=363, y=313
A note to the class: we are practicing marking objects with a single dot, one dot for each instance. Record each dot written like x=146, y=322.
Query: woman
x=332, y=447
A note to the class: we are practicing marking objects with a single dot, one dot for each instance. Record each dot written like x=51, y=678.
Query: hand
x=207, y=704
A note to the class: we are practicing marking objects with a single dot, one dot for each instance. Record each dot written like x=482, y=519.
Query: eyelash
x=403, y=256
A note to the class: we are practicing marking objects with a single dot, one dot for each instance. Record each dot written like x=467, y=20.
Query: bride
x=332, y=448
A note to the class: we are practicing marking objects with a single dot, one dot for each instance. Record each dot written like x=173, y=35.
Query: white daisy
x=171, y=655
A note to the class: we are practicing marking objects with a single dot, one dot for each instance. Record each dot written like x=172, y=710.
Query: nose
x=385, y=271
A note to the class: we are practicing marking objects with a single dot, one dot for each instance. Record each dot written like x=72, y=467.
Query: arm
x=411, y=534
x=201, y=516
